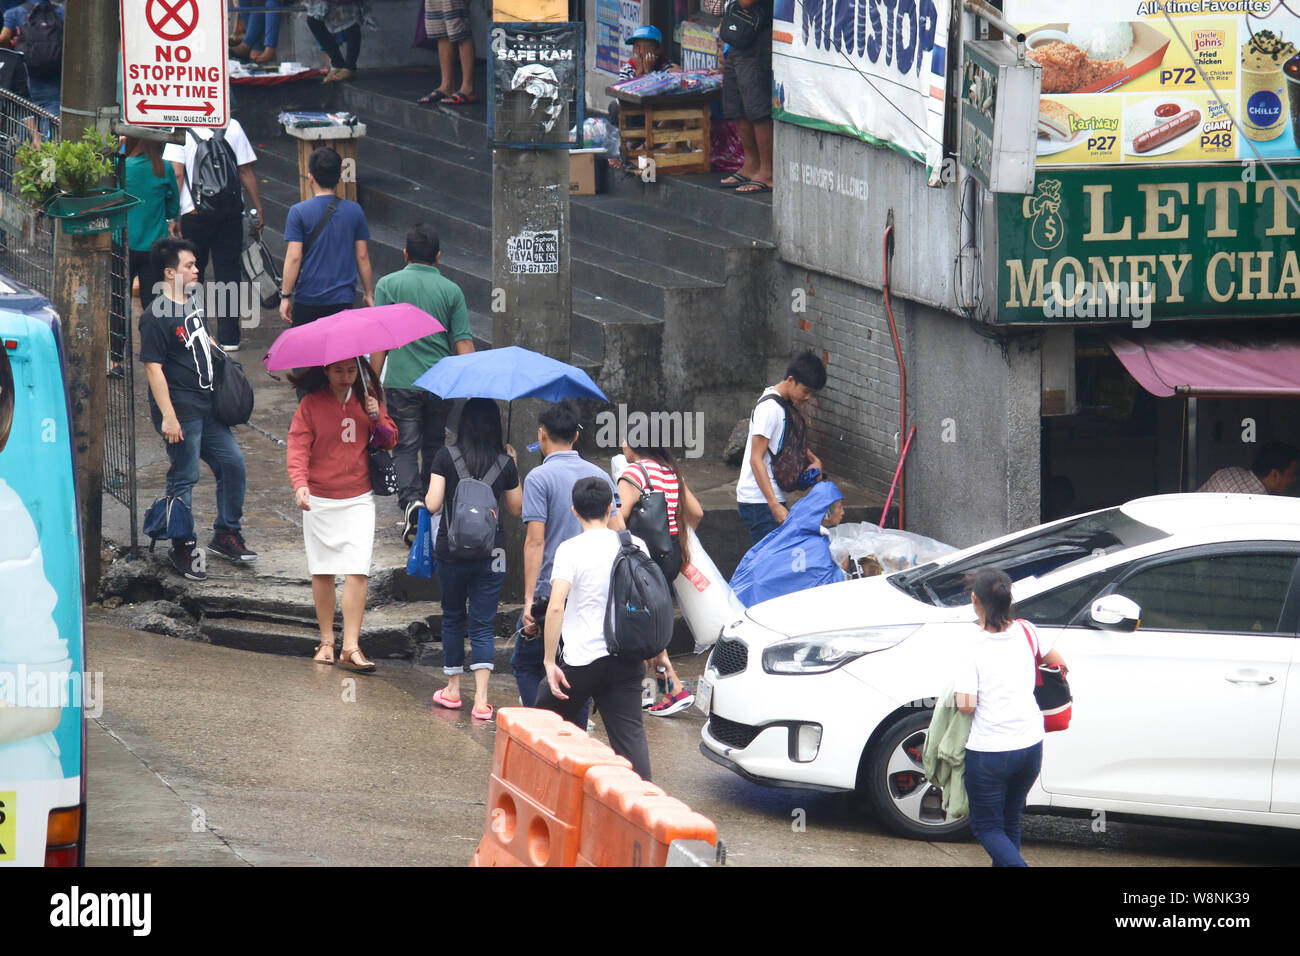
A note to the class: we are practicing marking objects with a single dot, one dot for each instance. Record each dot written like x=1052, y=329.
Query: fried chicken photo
x=1067, y=69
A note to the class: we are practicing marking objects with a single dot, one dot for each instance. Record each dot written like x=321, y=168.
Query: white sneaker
x=648, y=693
x=230, y=348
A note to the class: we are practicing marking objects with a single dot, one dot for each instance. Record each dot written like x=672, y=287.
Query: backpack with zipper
x=791, y=459
x=649, y=517
x=639, y=612
x=472, y=519
x=41, y=40
x=214, y=178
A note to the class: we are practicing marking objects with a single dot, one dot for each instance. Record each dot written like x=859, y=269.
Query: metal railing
x=27, y=247
x=27, y=254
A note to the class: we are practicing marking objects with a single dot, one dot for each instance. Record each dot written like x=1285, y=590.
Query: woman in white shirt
x=1004, y=752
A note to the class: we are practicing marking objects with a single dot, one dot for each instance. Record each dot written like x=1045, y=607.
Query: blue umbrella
x=506, y=374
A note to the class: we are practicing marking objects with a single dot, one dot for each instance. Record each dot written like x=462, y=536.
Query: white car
x=1193, y=714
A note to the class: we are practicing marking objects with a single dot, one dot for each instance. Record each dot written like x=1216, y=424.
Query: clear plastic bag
x=886, y=549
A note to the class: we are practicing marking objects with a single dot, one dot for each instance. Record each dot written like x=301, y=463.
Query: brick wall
x=854, y=419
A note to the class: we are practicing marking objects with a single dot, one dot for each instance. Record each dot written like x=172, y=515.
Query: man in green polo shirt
x=419, y=414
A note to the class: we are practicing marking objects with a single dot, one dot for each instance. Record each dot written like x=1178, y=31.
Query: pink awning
x=1166, y=366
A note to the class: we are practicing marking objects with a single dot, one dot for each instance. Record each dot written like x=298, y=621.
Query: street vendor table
x=665, y=120
x=343, y=139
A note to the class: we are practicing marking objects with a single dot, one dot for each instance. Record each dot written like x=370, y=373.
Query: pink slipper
x=439, y=697
x=485, y=714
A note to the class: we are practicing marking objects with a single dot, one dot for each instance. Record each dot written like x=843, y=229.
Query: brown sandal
x=349, y=660
x=321, y=649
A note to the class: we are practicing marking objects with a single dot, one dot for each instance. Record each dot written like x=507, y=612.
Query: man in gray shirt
x=549, y=519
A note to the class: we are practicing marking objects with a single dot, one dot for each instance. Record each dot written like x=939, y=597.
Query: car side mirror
x=1115, y=612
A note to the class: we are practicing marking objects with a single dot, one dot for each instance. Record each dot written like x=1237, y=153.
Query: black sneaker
x=230, y=545
x=189, y=561
x=411, y=524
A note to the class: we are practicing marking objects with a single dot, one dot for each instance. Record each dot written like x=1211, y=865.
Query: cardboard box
x=588, y=172
x=530, y=11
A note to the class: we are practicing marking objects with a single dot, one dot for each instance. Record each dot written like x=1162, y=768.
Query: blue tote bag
x=420, y=563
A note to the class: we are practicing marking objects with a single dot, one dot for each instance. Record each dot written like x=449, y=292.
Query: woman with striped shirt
x=657, y=467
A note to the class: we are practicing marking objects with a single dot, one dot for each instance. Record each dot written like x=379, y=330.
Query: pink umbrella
x=350, y=333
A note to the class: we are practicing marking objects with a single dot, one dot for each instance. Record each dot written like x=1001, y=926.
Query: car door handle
x=1250, y=677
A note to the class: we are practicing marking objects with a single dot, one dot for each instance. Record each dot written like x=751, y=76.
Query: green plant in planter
x=72, y=168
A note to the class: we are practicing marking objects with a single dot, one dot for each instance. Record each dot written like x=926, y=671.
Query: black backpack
x=41, y=41
x=472, y=518
x=233, y=395
x=639, y=613
x=791, y=459
x=214, y=178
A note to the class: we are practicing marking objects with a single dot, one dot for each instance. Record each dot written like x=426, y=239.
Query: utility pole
x=83, y=264
x=532, y=300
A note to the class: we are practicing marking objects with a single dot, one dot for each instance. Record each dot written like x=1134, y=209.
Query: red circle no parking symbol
x=172, y=19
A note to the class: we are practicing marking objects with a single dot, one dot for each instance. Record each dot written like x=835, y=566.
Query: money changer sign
x=1164, y=243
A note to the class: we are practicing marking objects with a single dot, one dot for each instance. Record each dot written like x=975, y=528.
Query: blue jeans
x=209, y=440
x=758, y=519
x=530, y=675
x=997, y=783
x=261, y=29
x=475, y=583
x=47, y=97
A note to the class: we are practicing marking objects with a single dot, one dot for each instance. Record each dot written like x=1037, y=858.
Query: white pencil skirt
x=339, y=534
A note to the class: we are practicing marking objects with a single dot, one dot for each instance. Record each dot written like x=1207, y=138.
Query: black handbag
x=649, y=518
x=741, y=27
x=232, y=394
x=383, y=473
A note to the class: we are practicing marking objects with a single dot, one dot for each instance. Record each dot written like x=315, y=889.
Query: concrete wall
x=386, y=47
x=833, y=199
x=973, y=470
x=854, y=420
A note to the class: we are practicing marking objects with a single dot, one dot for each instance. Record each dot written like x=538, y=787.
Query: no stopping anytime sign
x=174, y=63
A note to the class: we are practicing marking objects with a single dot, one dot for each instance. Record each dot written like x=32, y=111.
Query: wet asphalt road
x=213, y=756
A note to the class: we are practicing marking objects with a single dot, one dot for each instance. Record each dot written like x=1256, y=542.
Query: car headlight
x=819, y=653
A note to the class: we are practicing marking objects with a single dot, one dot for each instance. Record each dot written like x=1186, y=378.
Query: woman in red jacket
x=329, y=467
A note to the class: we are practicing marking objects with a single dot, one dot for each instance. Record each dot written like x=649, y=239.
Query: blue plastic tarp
x=793, y=557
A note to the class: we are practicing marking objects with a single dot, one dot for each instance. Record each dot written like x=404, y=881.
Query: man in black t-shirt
x=178, y=357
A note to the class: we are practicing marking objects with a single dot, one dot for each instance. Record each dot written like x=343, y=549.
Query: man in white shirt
x=585, y=669
x=218, y=234
x=759, y=500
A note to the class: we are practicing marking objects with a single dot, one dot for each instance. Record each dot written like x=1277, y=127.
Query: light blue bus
x=42, y=622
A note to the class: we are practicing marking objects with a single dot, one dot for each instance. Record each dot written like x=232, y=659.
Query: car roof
x=1176, y=514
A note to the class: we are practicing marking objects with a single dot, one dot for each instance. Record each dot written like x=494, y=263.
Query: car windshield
x=1035, y=554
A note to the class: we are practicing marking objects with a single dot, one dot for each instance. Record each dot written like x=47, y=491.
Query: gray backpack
x=472, y=520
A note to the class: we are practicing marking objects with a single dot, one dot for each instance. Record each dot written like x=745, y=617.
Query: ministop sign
x=174, y=63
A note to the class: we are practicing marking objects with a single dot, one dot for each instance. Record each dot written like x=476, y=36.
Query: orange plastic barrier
x=535, y=796
x=629, y=822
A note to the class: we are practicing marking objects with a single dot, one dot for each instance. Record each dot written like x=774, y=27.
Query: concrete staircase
x=667, y=276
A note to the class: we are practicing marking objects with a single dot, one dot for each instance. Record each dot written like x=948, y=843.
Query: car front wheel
x=894, y=782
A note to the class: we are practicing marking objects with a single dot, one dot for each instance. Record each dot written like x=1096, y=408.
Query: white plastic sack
x=708, y=604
